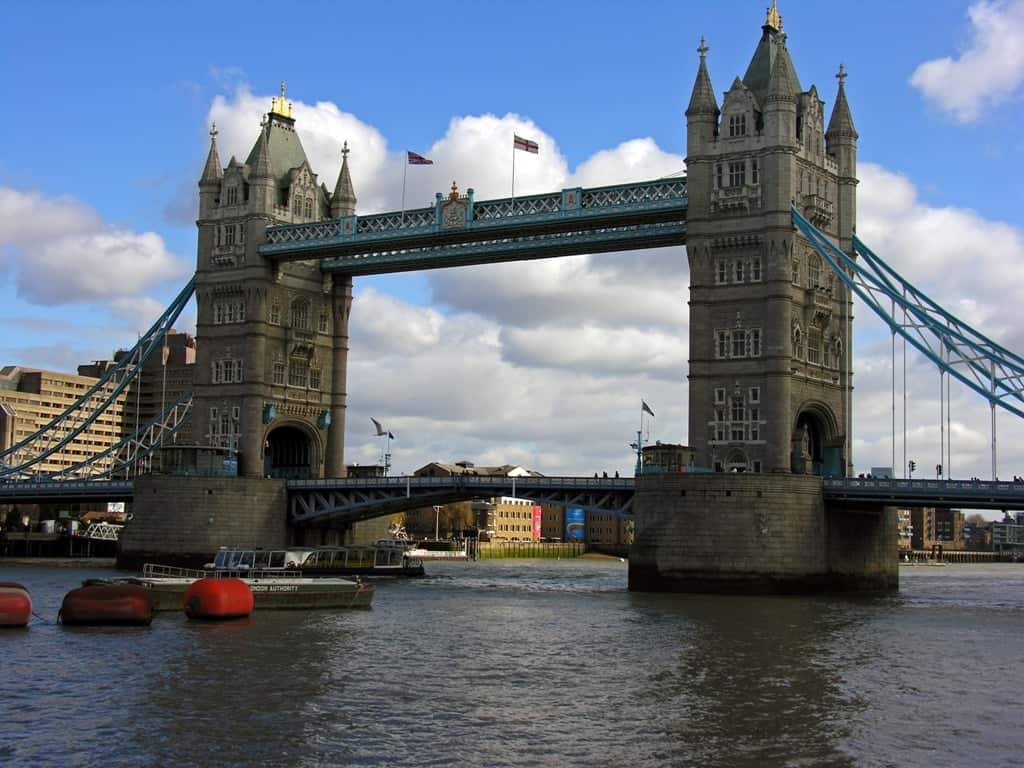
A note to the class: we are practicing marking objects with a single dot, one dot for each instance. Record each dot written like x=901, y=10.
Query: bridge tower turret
x=770, y=326
x=272, y=340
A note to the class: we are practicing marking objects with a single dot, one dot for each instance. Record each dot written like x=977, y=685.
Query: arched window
x=300, y=314
x=813, y=271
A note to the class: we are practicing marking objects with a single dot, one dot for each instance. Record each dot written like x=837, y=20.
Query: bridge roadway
x=351, y=499
x=459, y=230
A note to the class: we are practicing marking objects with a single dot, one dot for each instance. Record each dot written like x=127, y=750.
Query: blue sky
x=108, y=107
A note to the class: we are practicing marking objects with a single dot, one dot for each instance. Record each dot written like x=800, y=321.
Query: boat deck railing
x=155, y=570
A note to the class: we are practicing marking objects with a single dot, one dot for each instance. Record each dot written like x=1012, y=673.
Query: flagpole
x=513, y=175
x=640, y=442
x=405, y=173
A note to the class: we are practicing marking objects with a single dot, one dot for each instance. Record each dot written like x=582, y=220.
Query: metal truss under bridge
x=946, y=494
x=991, y=370
x=458, y=230
x=312, y=502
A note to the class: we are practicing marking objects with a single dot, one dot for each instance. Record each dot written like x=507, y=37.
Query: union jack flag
x=415, y=159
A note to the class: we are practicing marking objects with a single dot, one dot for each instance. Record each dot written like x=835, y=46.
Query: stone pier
x=180, y=520
x=756, y=534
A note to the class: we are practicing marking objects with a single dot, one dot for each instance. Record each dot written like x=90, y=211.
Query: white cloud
x=390, y=326
x=989, y=70
x=970, y=266
x=965, y=262
x=62, y=252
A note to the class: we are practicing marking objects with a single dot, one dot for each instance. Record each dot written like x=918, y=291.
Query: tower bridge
x=767, y=212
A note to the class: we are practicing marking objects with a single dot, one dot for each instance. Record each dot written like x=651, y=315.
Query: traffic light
x=938, y=470
x=912, y=465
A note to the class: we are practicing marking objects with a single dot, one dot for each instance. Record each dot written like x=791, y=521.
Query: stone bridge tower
x=272, y=339
x=770, y=324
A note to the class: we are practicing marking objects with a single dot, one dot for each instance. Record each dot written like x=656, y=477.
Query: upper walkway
x=459, y=230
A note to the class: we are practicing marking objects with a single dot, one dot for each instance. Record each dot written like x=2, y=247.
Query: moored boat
x=15, y=604
x=440, y=549
x=167, y=586
x=99, y=604
x=385, y=558
x=213, y=598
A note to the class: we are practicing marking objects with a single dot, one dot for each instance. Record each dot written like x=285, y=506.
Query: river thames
x=532, y=663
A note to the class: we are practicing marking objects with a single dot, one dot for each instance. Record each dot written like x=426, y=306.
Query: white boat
x=167, y=585
x=384, y=558
x=439, y=549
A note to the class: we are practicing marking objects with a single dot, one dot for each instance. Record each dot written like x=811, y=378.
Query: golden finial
x=703, y=48
x=773, y=19
x=279, y=105
x=454, y=194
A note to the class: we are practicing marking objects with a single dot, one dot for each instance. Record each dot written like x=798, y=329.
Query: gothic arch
x=817, y=443
x=292, y=450
x=736, y=460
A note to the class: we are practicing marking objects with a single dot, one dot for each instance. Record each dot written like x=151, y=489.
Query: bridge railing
x=483, y=482
x=922, y=485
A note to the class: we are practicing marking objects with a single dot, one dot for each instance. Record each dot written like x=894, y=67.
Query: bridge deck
x=460, y=230
x=318, y=500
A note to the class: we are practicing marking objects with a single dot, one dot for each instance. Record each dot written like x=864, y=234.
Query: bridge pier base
x=757, y=534
x=181, y=520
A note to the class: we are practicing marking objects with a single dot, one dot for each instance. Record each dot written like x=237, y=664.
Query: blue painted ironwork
x=69, y=491
x=946, y=494
x=988, y=368
x=19, y=459
x=461, y=230
x=511, y=249
x=124, y=456
x=351, y=500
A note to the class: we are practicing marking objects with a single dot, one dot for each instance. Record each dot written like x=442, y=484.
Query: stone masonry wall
x=182, y=521
x=752, y=533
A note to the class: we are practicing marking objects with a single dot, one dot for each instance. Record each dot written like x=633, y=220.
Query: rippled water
x=533, y=663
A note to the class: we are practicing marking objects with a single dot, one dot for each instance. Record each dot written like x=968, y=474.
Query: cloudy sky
x=544, y=363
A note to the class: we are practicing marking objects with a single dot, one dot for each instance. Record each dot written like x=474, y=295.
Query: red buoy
x=218, y=599
x=107, y=604
x=15, y=604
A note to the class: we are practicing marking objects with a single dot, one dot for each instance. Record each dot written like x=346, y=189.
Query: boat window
x=221, y=560
x=262, y=559
x=247, y=559
x=277, y=559
x=233, y=559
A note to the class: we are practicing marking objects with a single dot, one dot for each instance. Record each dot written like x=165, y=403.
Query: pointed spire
x=343, y=202
x=212, y=171
x=841, y=122
x=780, y=85
x=259, y=163
x=702, y=99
